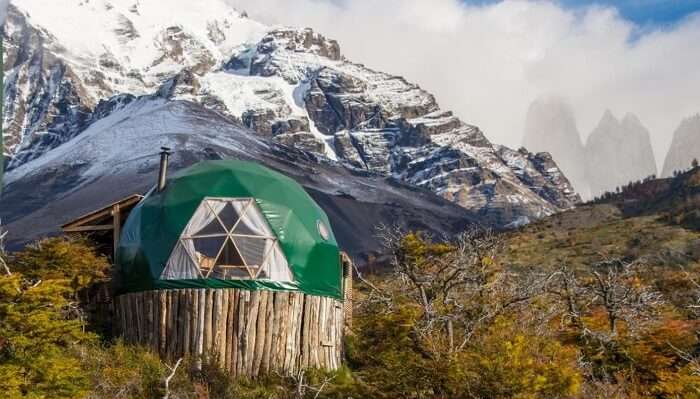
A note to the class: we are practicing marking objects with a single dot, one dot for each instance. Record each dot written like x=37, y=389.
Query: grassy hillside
x=596, y=231
x=654, y=222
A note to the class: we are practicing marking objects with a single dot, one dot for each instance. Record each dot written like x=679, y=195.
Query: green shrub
x=39, y=335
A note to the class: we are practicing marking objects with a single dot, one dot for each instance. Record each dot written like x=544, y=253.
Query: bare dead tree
x=618, y=288
x=693, y=361
x=568, y=291
x=459, y=286
x=694, y=306
x=303, y=387
x=612, y=285
x=3, y=253
x=376, y=295
x=166, y=381
x=603, y=385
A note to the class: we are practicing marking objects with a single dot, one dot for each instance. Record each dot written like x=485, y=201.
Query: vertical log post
x=116, y=228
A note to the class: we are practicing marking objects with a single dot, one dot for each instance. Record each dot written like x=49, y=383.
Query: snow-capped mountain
x=293, y=86
x=100, y=167
x=685, y=146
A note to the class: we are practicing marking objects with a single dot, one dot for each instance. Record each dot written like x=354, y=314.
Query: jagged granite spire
x=618, y=152
x=685, y=146
x=550, y=126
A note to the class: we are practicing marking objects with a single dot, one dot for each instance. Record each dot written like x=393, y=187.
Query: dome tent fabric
x=240, y=224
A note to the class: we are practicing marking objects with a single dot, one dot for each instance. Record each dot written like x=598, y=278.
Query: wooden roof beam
x=79, y=229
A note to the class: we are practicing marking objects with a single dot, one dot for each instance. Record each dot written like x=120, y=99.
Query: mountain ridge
x=73, y=180
x=291, y=86
x=685, y=146
x=550, y=126
x=616, y=152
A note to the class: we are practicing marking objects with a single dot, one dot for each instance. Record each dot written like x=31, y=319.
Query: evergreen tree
x=41, y=324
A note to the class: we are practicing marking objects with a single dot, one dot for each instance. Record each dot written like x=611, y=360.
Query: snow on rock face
x=60, y=68
x=117, y=156
x=305, y=43
x=288, y=85
x=137, y=34
x=45, y=101
x=384, y=124
x=540, y=174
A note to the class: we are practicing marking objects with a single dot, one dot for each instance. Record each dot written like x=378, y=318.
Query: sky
x=646, y=12
x=642, y=12
x=487, y=60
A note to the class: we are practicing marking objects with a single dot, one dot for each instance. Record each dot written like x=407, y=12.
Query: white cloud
x=487, y=63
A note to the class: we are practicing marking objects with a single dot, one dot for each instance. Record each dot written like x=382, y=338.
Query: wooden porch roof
x=103, y=218
x=109, y=219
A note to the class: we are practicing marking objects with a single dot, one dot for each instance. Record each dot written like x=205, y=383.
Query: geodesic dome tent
x=229, y=224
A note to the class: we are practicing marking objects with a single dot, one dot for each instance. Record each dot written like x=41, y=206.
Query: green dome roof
x=262, y=230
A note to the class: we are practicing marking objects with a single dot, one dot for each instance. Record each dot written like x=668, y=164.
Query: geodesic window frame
x=227, y=238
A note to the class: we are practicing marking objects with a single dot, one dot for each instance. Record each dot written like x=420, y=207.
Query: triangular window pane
x=252, y=249
x=243, y=228
x=229, y=256
x=253, y=223
x=180, y=265
x=275, y=266
x=229, y=216
x=204, y=221
x=230, y=264
x=205, y=251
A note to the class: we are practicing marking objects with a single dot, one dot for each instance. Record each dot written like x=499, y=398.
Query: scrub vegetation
x=590, y=303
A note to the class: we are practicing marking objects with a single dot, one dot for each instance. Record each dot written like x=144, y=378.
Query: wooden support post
x=269, y=333
x=116, y=225
x=260, y=332
x=163, y=301
x=243, y=305
x=188, y=311
x=208, y=316
x=230, y=329
x=223, y=328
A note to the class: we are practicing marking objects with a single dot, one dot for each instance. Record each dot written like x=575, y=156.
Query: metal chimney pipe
x=163, y=172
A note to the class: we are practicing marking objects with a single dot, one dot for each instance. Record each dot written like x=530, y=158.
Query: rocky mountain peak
x=685, y=146
x=303, y=40
x=618, y=152
x=286, y=85
x=690, y=121
x=631, y=120
x=550, y=126
x=608, y=119
x=608, y=125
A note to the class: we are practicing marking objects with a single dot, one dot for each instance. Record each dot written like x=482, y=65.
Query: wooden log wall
x=247, y=332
